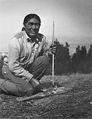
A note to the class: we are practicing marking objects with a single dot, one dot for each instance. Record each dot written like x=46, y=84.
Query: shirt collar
x=36, y=41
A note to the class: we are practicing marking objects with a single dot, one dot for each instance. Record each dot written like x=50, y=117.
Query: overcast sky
x=73, y=18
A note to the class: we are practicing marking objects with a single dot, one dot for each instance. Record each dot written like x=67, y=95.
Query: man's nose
x=34, y=26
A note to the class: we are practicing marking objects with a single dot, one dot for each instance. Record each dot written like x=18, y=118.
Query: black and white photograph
x=45, y=59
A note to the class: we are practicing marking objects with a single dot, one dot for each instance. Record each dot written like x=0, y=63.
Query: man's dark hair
x=30, y=16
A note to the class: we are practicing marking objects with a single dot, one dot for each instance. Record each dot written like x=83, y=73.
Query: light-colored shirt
x=23, y=52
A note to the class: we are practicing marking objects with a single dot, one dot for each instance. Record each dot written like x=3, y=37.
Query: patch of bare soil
x=75, y=103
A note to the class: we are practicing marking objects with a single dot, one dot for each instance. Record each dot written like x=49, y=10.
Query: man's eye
x=31, y=24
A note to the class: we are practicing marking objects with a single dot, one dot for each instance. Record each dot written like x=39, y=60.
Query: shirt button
x=4, y=72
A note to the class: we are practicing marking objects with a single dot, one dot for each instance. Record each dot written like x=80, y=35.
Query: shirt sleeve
x=13, y=60
x=46, y=46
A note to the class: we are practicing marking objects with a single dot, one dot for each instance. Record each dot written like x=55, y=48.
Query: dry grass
x=76, y=103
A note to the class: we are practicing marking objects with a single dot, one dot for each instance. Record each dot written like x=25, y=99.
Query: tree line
x=78, y=62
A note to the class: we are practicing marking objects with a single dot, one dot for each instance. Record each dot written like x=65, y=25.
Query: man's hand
x=53, y=48
x=34, y=82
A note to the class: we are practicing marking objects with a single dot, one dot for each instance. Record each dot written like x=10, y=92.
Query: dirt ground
x=75, y=103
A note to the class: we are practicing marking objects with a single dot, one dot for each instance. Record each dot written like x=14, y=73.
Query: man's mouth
x=33, y=32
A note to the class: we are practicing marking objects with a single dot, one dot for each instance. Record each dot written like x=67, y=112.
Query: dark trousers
x=16, y=85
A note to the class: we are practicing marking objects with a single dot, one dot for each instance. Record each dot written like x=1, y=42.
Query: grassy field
x=75, y=103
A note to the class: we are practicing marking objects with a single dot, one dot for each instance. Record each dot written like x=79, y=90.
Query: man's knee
x=44, y=60
x=39, y=66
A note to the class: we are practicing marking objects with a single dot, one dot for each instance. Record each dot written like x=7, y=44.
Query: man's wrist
x=29, y=79
x=34, y=82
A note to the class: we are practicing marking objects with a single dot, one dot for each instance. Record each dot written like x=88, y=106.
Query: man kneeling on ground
x=28, y=59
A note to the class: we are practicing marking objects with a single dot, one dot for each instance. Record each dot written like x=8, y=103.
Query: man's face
x=32, y=27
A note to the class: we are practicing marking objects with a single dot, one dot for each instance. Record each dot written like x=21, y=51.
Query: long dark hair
x=30, y=16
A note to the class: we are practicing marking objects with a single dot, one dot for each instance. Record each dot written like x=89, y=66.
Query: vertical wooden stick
x=53, y=57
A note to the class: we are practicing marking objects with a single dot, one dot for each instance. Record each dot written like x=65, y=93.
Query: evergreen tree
x=63, y=61
x=79, y=59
